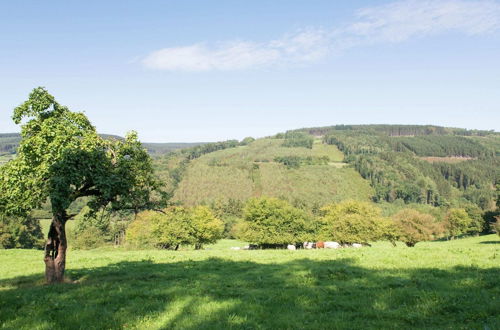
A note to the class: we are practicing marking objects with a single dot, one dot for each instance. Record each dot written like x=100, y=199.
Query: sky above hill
x=216, y=70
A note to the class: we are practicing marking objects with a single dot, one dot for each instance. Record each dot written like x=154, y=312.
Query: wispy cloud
x=393, y=22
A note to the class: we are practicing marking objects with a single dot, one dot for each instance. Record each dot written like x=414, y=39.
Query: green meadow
x=435, y=285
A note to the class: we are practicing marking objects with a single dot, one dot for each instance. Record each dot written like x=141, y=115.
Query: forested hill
x=409, y=164
x=431, y=165
x=10, y=141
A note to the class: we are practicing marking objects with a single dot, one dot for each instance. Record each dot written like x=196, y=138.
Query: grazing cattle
x=356, y=245
x=291, y=247
x=235, y=248
x=309, y=245
x=320, y=245
x=331, y=245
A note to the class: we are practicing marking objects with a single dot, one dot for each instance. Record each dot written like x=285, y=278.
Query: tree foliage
x=61, y=158
x=414, y=226
x=354, y=222
x=20, y=233
x=273, y=222
x=457, y=221
x=175, y=226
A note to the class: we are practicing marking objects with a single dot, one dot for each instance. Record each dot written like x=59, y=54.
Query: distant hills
x=10, y=141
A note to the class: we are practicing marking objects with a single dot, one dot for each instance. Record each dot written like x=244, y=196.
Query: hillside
x=429, y=165
x=409, y=164
x=255, y=169
x=10, y=141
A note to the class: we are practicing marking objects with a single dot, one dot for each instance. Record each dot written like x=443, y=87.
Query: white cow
x=356, y=245
x=291, y=247
x=309, y=245
x=332, y=245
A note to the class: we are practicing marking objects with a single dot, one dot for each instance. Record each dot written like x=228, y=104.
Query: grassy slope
x=248, y=171
x=434, y=285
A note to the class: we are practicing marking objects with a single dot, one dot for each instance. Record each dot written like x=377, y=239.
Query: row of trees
x=273, y=222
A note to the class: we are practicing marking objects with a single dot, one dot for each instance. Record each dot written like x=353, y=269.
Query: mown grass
x=250, y=171
x=438, y=285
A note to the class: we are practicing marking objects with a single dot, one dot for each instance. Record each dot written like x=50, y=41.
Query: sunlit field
x=446, y=284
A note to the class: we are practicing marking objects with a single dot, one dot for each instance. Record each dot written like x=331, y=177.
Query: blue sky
x=216, y=70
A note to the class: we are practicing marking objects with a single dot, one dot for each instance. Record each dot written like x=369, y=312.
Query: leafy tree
x=457, y=222
x=139, y=231
x=205, y=227
x=247, y=141
x=274, y=222
x=477, y=224
x=175, y=226
x=354, y=222
x=62, y=158
x=414, y=226
x=495, y=226
x=230, y=212
x=20, y=233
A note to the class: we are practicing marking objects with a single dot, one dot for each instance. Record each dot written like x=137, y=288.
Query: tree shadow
x=218, y=294
x=490, y=242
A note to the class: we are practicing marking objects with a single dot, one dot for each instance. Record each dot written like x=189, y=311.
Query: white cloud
x=393, y=22
x=303, y=46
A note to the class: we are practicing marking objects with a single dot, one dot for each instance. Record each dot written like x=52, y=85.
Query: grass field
x=438, y=285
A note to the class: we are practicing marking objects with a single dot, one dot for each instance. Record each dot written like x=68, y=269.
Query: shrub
x=139, y=231
x=205, y=228
x=247, y=141
x=414, y=226
x=89, y=238
x=457, y=222
x=175, y=226
x=274, y=222
x=20, y=233
x=354, y=222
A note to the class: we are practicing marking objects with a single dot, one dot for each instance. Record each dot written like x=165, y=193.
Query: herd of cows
x=305, y=245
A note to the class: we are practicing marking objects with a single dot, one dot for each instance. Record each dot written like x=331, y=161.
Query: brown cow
x=320, y=245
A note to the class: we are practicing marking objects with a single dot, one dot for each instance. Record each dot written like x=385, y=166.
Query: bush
x=20, y=233
x=457, y=222
x=354, y=222
x=96, y=229
x=274, y=222
x=205, y=228
x=174, y=227
x=89, y=238
x=414, y=226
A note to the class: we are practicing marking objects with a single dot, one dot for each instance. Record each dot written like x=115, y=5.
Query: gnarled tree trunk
x=55, y=249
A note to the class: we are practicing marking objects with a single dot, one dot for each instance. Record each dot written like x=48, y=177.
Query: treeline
x=397, y=130
x=295, y=139
x=359, y=142
x=10, y=141
x=297, y=161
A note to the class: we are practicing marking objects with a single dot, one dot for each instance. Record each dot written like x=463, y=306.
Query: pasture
x=448, y=284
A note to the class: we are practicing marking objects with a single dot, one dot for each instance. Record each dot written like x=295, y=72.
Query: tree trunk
x=55, y=249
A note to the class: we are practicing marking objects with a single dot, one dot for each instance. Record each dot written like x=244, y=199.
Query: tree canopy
x=61, y=158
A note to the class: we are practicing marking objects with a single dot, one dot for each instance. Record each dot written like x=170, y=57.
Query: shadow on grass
x=219, y=294
x=490, y=242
